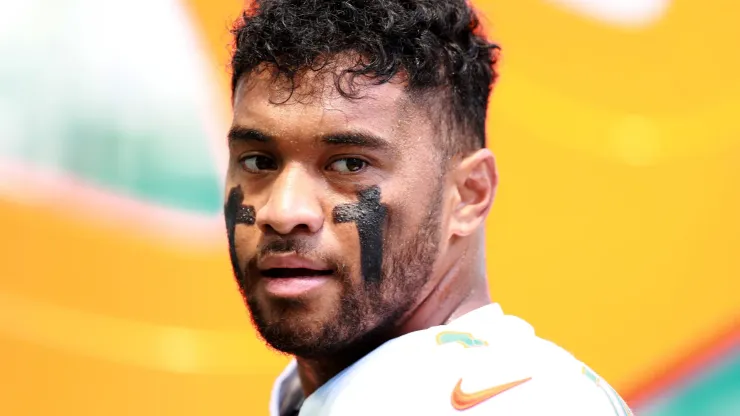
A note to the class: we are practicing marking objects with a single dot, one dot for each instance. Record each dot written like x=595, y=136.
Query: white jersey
x=483, y=363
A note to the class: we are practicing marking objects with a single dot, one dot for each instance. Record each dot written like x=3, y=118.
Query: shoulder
x=511, y=371
x=490, y=364
x=572, y=389
x=477, y=380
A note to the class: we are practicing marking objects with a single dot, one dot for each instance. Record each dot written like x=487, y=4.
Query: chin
x=297, y=327
x=306, y=341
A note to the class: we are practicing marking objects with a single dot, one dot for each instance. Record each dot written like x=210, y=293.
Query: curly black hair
x=436, y=45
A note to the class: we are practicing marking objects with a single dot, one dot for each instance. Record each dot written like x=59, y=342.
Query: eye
x=258, y=163
x=348, y=165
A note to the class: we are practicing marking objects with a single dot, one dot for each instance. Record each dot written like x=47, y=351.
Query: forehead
x=315, y=107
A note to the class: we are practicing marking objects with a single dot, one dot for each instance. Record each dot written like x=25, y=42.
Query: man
x=357, y=189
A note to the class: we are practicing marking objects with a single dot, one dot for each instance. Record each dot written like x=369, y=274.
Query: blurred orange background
x=615, y=231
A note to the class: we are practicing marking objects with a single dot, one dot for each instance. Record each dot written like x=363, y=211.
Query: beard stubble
x=365, y=313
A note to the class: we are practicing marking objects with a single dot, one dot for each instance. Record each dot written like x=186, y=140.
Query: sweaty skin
x=358, y=191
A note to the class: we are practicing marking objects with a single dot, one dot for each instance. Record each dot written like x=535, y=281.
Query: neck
x=314, y=373
x=462, y=289
x=444, y=303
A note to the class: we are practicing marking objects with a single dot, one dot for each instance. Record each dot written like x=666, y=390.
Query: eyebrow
x=360, y=139
x=356, y=138
x=245, y=134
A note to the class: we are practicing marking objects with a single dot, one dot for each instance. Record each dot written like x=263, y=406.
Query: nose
x=293, y=204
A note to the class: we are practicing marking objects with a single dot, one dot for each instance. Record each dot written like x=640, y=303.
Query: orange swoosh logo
x=463, y=401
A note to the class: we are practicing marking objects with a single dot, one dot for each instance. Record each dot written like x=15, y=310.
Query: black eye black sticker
x=369, y=215
x=236, y=213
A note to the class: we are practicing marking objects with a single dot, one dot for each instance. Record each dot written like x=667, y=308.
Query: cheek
x=348, y=246
x=245, y=244
x=396, y=222
x=406, y=208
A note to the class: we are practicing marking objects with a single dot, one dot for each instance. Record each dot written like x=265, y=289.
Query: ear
x=475, y=181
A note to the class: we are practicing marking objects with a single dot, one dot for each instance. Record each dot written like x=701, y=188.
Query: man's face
x=333, y=211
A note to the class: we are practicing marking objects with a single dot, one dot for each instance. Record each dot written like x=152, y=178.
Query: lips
x=287, y=272
x=291, y=275
x=292, y=265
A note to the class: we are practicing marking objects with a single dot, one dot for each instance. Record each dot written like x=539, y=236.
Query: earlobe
x=476, y=179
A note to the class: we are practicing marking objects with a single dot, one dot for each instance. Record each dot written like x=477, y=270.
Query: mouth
x=291, y=272
x=294, y=282
x=292, y=276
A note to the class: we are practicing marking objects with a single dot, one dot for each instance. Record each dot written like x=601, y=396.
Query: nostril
x=268, y=229
x=284, y=229
x=302, y=227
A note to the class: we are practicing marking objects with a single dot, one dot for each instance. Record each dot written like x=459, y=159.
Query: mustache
x=298, y=246
x=301, y=247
